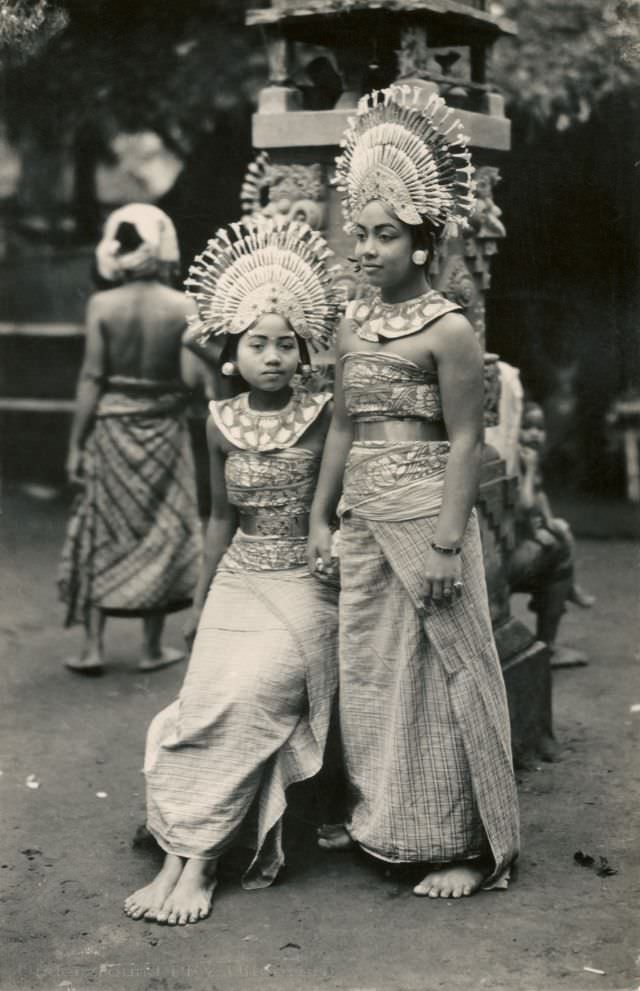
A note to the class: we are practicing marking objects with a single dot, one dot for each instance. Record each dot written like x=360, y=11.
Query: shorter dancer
x=253, y=713
x=542, y=562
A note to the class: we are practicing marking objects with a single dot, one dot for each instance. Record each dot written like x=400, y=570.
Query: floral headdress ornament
x=410, y=154
x=265, y=266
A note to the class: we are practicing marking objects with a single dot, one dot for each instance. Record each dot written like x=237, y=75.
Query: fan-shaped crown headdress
x=410, y=154
x=265, y=266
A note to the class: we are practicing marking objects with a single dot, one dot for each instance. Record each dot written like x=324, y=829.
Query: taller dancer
x=253, y=713
x=423, y=707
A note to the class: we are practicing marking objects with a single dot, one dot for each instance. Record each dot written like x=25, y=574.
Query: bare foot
x=334, y=838
x=147, y=902
x=191, y=899
x=455, y=881
x=568, y=657
x=581, y=598
x=164, y=657
x=89, y=663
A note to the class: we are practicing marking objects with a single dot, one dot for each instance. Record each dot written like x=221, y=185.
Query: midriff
x=399, y=429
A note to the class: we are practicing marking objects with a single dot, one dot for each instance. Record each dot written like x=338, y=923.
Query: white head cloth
x=159, y=242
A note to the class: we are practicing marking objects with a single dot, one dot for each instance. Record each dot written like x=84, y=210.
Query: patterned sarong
x=134, y=537
x=423, y=706
x=252, y=717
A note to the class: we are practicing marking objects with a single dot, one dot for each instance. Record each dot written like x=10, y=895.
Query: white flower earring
x=419, y=257
x=229, y=368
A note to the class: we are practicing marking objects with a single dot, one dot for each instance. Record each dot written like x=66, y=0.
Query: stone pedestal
x=435, y=46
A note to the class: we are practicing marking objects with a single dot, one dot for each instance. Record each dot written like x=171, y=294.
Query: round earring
x=419, y=257
x=229, y=368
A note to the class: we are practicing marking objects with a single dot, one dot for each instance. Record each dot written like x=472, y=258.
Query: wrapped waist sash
x=394, y=481
x=123, y=400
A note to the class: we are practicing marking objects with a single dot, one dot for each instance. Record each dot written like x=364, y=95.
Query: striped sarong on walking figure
x=423, y=710
x=134, y=539
x=253, y=713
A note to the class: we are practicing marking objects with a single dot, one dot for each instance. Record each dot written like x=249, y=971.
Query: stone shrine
x=440, y=46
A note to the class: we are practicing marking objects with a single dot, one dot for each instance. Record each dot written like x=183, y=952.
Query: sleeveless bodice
x=283, y=482
x=272, y=493
x=380, y=386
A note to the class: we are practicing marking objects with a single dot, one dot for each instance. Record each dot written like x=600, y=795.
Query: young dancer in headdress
x=423, y=711
x=253, y=713
x=134, y=537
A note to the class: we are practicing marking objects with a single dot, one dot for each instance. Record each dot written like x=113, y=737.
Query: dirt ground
x=333, y=921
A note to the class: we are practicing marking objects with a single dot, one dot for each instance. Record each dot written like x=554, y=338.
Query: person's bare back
x=142, y=324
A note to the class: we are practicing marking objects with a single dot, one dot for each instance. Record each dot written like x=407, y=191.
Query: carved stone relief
x=295, y=192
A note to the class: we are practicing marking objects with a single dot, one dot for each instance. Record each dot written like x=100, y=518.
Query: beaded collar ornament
x=260, y=430
x=376, y=320
x=411, y=155
x=265, y=266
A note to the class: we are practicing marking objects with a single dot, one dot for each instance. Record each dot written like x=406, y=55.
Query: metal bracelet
x=445, y=550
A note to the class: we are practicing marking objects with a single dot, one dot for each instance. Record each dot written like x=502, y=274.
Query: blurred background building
x=107, y=101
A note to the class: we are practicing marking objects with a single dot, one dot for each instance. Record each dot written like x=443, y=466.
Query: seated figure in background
x=543, y=560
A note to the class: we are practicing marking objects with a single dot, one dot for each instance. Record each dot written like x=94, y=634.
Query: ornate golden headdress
x=265, y=266
x=410, y=154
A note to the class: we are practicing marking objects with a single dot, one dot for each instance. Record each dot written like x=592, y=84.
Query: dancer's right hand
x=319, y=547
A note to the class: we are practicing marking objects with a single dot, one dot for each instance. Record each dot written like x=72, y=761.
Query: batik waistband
x=258, y=553
x=394, y=481
x=267, y=523
x=128, y=401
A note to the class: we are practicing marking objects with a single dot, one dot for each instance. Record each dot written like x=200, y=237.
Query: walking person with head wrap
x=423, y=710
x=253, y=713
x=134, y=537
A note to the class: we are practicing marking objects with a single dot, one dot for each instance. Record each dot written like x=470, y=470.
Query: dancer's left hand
x=443, y=578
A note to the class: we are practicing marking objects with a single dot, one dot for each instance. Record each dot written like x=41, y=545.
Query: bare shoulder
x=215, y=440
x=346, y=336
x=453, y=335
x=179, y=301
x=100, y=301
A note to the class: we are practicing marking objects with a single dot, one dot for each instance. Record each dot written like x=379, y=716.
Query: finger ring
x=458, y=584
x=319, y=564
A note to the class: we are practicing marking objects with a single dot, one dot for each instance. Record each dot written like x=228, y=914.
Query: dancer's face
x=268, y=354
x=384, y=247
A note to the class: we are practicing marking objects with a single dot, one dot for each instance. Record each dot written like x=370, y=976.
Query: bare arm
x=88, y=390
x=334, y=458
x=460, y=374
x=222, y=519
x=200, y=363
